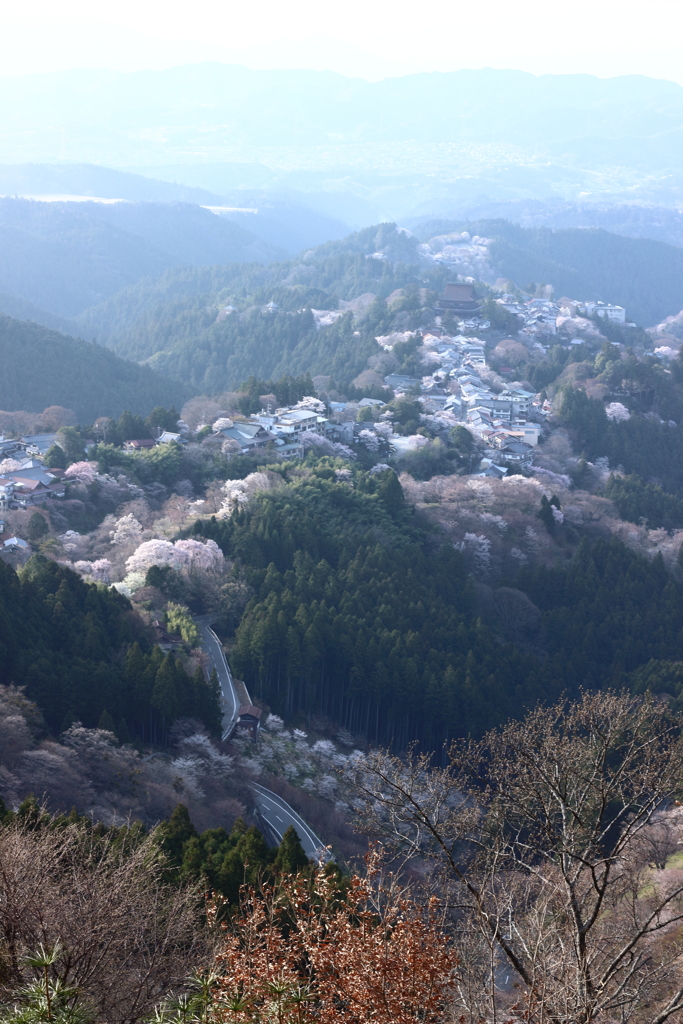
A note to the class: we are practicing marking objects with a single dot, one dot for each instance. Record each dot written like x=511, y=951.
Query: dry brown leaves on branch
x=304, y=954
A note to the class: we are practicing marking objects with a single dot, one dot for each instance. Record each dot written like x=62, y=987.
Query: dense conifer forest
x=80, y=651
x=359, y=614
x=42, y=368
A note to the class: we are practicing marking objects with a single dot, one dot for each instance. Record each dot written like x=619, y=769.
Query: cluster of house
x=542, y=317
x=9, y=543
x=500, y=419
x=281, y=428
x=165, y=437
x=508, y=421
x=31, y=482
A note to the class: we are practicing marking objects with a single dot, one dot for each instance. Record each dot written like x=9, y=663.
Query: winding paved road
x=275, y=815
x=215, y=650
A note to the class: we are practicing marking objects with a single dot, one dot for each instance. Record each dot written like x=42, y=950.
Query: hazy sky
x=368, y=38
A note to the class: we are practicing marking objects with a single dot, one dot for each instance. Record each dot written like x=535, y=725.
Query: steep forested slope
x=336, y=270
x=174, y=320
x=41, y=367
x=358, y=614
x=79, y=650
x=21, y=309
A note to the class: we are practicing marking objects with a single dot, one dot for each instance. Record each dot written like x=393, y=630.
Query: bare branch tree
x=124, y=936
x=543, y=831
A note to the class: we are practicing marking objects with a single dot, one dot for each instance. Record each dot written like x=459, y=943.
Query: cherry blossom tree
x=153, y=552
x=617, y=412
x=311, y=404
x=83, y=472
x=98, y=571
x=478, y=548
x=235, y=494
x=309, y=439
x=196, y=556
x=238, y=492
x=187, y=556
x=383, y=430
x=128, y=530
x=370, y=440
x=416, y=441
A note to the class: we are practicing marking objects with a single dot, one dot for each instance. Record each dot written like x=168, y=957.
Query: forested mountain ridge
x=333, y=270
x=661, y=223
x=21, y=309
x=42, y=368
x=66, y=257
x=174, y=321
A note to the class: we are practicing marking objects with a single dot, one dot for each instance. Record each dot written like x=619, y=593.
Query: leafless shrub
x=126, y=937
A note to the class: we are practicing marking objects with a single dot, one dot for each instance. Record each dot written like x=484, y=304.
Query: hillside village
x=465, y=384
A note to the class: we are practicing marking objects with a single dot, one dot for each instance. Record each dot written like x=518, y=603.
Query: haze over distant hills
x=402, y=146
x=65, y=257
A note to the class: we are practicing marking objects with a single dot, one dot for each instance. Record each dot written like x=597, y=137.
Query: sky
x=371, y=39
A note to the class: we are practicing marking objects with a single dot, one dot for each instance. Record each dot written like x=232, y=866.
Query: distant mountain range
x=658, y=222
x=400, y=147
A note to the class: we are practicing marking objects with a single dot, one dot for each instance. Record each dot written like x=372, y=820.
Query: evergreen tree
x=106, y=722
x=290, y=856
x=123, y=733
x=175, y=833
x=55, y=457
x=207, y=703
x=37, y=527
x=132, y=428
x=71, y=441
x=165, y=697
x=546, y=515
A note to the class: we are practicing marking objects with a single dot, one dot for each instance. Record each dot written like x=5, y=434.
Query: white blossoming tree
x=128, y=530
x=196, y=556
x=309, y=439
x=370, y=440
x=617, y=412
x=98, y=571
x=153, y=552
x=311, y=404
x=478, y=548
x=82, y=472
